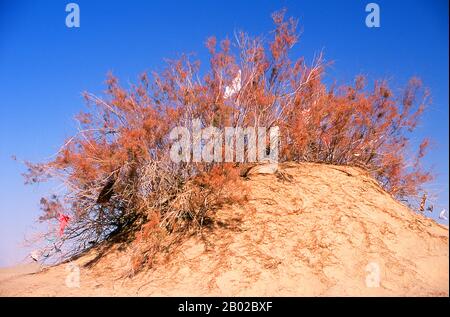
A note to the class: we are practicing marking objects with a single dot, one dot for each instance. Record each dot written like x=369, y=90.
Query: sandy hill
x=314, y=230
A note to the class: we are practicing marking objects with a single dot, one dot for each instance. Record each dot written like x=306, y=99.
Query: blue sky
x=45, y=66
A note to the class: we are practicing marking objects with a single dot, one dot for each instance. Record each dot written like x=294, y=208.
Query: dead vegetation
x=117, y=175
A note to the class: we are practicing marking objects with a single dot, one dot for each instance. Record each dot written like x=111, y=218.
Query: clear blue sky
x=44, y=67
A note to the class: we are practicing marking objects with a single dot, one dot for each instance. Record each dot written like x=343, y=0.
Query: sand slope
x=315, y=230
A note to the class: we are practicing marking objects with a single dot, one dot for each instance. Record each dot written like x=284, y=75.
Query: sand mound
x=307, y=230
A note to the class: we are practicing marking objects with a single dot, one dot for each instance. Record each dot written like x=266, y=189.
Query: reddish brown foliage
x=125, y=136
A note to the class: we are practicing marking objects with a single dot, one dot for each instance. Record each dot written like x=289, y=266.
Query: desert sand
x=311, y=230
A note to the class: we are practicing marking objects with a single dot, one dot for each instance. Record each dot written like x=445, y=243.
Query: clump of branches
x=117, y=172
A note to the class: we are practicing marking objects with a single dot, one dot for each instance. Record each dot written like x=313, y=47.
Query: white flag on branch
x=234, y=88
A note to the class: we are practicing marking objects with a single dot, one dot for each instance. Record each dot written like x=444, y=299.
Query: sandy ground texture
x=311, y=230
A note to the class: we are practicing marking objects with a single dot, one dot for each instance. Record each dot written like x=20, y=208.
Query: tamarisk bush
x=117, y=172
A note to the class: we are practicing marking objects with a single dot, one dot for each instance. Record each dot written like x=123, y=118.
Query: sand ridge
x=307, y=230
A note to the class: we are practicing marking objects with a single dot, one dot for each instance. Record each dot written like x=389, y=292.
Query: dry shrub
x=117, y=172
